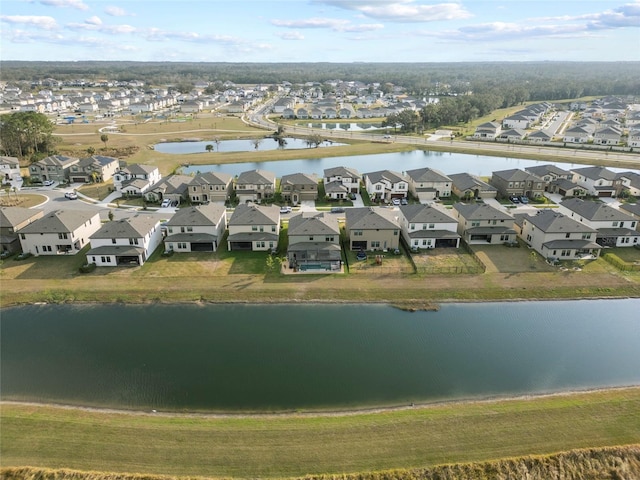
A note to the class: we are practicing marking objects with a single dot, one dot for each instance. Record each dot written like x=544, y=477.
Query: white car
x=396, y=201
x=71, y=195
x=165, y=203
x=285, y=209
x=47, y=183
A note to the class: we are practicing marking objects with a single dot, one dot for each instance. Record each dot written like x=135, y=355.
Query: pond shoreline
x=319, y=413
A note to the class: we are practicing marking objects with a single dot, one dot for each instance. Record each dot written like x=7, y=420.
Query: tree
x=91, y=151
x=208, y=147
x=314, y=140
x=104, y=138
x=110, y=215
x=26, y=134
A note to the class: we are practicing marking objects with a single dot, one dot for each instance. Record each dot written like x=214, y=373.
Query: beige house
x=255, y=185
x=196, y=229
x=482, y=223
x=211, y=187
x=55, y=168
x=96, y=168
x=373, y=228
x=61, y=232
x=429, y=184
x=254, y=227
x=516, y=182
x=314, y=242
x=298, y=187
x=12, y=219
x=467, y=186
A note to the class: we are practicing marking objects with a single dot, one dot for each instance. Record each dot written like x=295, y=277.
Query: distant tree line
x=26, y=135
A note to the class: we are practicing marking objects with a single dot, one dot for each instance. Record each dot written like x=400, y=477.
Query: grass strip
x=296, y=445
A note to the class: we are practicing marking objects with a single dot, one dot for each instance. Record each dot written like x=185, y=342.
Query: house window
x=412, y=226
x=46, y=248
x=113, y=240
x=170, y=229
x=261, y=244
x=475, y=223
x=22, y=236
x=273, y=228
x=424, y=243
x=504, y=238
x=62, y=236
x=567, y=235
x=357, y=233
x=431, y=225
x=103, y=259
x=586, y=236
x=108, y=259
x=189, y=229
x=270, y=244
x=328, y=239
x=615, y=224
x=565, y=253
x=378, y=187
x=375, y=244
x=133, y=241
x=254, y=228
x=93, y=259
x=395, y=233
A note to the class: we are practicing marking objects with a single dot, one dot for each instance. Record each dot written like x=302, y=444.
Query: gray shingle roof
x=299, y=179
x=201, y=215
x=341, y=171
x=421, y=175
x=417, y=213
x=12, y=216
x=212, y=178
x=251, y=214
x=60, y=221
x=466, y=181
x=550, y=221
x=516, y=175
x=385, y=175
x=371, y=218
x=542, y=170
x=594, y=211
x=310, y=223
x=257, y=177
x=131, y=227
x=480, y=211
x=594, y=173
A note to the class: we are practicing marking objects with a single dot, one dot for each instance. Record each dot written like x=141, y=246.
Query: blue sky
x=320, y=30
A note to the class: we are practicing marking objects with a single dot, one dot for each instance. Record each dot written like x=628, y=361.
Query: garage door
x=605, y=194
x=202, y=247
x=77, y=179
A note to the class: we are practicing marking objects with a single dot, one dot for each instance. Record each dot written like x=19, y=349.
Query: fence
x=620, y=264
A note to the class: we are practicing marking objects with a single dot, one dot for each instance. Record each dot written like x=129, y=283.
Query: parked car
x=524, y=199
x=361, y=255
x=71, y=195
x=395, y=201
x=514, y=199
x=47, y=183
x=337, y=210
x=165, y=203
x=404, y=201
x=352, y=196
x=285, y=209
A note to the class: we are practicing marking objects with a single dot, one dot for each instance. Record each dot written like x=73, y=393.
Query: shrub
x=87, y=268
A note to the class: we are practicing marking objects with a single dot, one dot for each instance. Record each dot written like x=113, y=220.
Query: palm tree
x=104, y=138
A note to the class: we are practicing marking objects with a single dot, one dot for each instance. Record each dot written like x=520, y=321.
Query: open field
x=294, y=445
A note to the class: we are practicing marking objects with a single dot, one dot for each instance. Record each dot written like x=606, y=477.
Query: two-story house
x=429, y=184
x=428, y=226
x=196, y=229
x=385, y=185
x=557, y=180
x=254, y=227
x=614, y=227
x=299, y=187
x=558, y=237
x=12, y=219
x=173, y=187
x=482, y=223
x=630, y=182
x=467, y=186
x=211, y=187
x=372, y=228
x=136, y=179
x=9, y=169
x=54, y=168
x=516, y=182
x=128, y=241
x=488, y=131
x=96, y=168
x=314, y=242
x=597, y=181
x=339, y=182
x=255, y=185
x=60, y=232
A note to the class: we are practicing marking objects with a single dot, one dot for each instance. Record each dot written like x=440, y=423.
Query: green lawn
x=284, y=446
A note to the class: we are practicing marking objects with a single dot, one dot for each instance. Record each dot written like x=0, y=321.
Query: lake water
x=240, y=145
x=285, y=357
x=446, y=162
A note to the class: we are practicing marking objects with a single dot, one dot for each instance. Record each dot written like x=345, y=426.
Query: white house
x=136, y=179
x=349, y=178
x=597, y=181
x=428, y=226
x=254, y=227
x=384, y=185
x=9, y=169
x=60, y=232
x=129, y=241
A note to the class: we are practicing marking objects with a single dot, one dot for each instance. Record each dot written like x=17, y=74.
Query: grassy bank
x=295, y=445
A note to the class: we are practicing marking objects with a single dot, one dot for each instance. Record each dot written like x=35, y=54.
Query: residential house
x=577, y=135
x=9, y=169
x=196, y=229
x=254, y=227
x=516, y=121
x=566, y=188
x=558, y=237
x=429, y=184
x=211, y=187
x=555, y=178
x=488, y=131
x=517, y=182
x=173, y=187
x=136, y=179
x=597, y=181
x=60, y=232
x=633, y=140
x=340, y=181
x=540, y=136
x=468, y=186
x=12, y=219
x=372, y=228
x=513, y=135
x=255, y=185
x=128, y=241
x=385, y=185
x=428, y=226
x=632, y=209
x=299, y=187
x=96, y=168
x=55, y=168
x=482, y=223
x=607, y=136
x=630, y=183
x=615, y=228
x=314, y=242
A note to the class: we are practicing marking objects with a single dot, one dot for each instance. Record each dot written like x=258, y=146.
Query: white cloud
x=290, y=35
x=117, y=12
x=335, y=24
x=43, y=22
x=404, y=11
x=79, y=4
x=94, y=20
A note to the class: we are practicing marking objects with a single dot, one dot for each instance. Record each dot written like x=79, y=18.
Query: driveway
x=358, y=201
x=307, y=206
